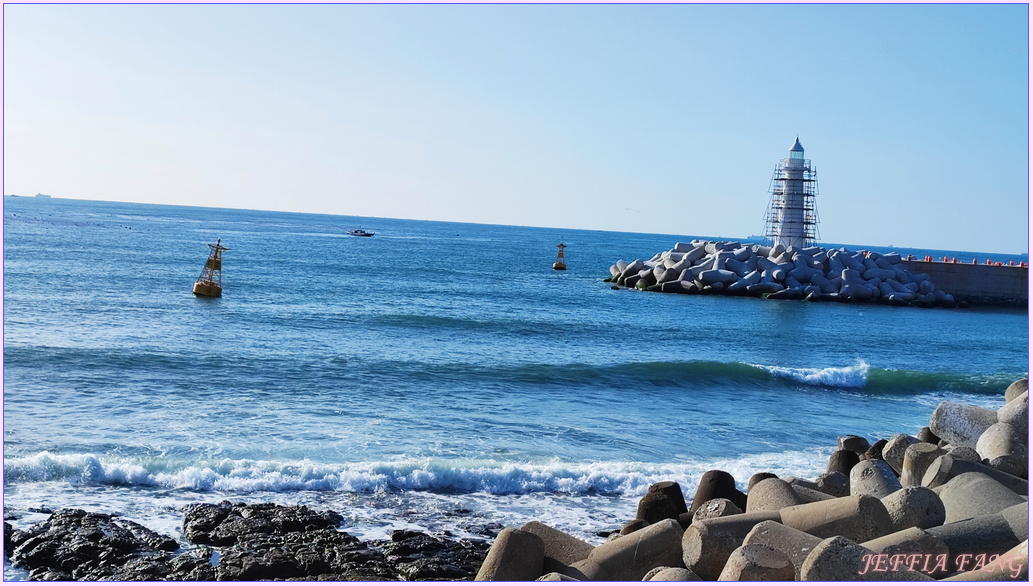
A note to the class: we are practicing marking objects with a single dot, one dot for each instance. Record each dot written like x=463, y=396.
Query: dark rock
x=90, y=546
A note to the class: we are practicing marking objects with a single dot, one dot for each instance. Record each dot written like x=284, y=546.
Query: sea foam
x=433, y=475
x=845, y=377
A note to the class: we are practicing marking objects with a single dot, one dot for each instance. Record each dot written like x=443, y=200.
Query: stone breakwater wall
x=978, y=284
x=948, y=504
x=731, y=268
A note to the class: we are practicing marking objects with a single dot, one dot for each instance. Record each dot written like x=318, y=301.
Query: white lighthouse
x=792, y=219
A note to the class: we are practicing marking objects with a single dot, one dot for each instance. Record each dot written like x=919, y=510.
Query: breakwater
x=951, y=503
x=977, y=283
x=776, y=272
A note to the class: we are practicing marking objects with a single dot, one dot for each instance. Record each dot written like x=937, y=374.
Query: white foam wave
x=434, y=475
x=853, y=377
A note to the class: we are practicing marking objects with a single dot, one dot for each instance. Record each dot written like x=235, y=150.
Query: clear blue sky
x=650, y=118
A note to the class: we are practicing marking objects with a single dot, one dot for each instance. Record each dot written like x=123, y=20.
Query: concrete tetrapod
x=1010, y=565
x=756, y=562
x=771, y=494
x=839, y=559
x=559, y=549
x=893, y=452
x=514, y=556
x=873, y=477
x=925, y=548
x=706, y=545
x=915, y=506
x=858, y=517
x=630, y=557
x=985, y=536
x=795, y=544
x=961, y=425
x=946, y=467
x=715, y=508
x=973, y=494
x=917, y=458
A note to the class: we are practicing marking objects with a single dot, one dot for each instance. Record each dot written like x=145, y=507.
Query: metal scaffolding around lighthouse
x=792, y=218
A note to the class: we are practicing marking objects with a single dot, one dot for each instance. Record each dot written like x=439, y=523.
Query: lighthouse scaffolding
x=792, y=218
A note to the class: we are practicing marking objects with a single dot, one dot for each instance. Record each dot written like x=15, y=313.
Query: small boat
x=209, y=284
x=559, y=265
x=360, y=232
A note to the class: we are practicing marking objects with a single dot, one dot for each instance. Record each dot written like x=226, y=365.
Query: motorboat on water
x=360, y=232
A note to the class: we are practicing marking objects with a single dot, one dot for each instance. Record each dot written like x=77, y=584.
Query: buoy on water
x=209, y=284
x=560, y=265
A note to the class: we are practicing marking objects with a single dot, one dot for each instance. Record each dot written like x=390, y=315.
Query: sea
x=437, y=376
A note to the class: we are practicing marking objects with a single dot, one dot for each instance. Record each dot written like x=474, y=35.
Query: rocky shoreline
x=951, y=503
x=814, y=274
x=234, y=542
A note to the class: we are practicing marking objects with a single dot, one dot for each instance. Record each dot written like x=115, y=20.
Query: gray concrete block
x=917, y=458
x=717, y=484
x=1004, y=439
x=841, y=559
x=771, y=494
x=1016, y=389
x=914, y=542
x=560, y=549
x=663, y=500
x=514, y=556
x=915, y=506
x=556, y=577
x=873, y=477
x=629, y=557
x=756, y=562
x=670, y=574
x=834, y=484
x=1010, y=565
x=795, y=544
x=973, y=494
x=1016, y=412
x=858, y=517
x=854, y=443
x=715, y=508
x=843, y=461
x=986, y=535
x=946, y=467
x=893, y=451
x=706, y=545
x=961, y=425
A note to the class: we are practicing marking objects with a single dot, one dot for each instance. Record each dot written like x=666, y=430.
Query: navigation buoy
x=209, y=284
x=559, y=265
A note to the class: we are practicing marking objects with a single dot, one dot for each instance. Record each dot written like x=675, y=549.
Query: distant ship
x=360, y=232
x=42, y=195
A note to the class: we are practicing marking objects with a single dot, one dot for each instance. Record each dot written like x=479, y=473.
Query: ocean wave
x=432, y=475
x=850, y=377
x=686, y=374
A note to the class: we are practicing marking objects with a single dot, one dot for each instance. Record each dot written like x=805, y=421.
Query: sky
x=637, y=118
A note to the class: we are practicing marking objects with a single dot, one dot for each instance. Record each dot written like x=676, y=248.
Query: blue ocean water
x=433, y=368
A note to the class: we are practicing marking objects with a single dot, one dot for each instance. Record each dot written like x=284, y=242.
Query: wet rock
x=88, y=546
